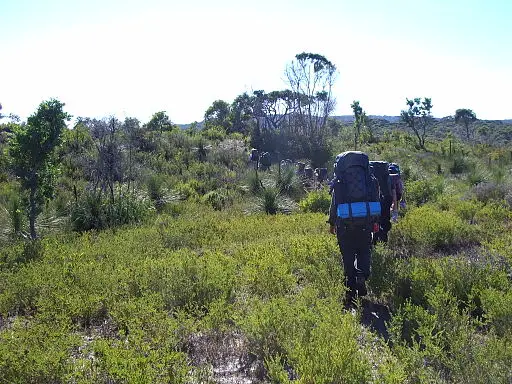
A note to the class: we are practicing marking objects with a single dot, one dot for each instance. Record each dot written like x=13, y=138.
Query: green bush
x=216, y=199
x=93, y=211
x=316, y=201
x=427, y=229
x=36, y=352
x=488, y=191
x=459, y=165
x=422, y=191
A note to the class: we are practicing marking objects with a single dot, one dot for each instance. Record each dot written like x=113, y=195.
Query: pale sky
x=134, y=58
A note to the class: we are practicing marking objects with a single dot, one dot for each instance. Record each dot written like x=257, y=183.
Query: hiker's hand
x=332, y=229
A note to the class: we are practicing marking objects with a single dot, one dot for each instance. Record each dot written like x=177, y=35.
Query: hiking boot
x=361, y=286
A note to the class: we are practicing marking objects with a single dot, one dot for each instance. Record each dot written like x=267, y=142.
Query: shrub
x=316, y=201
x=93, y=211
x=271, y=202
x=288, y=183
x=216, y=199
x=426, y=229
x=254, y=185
x=36, y=352
x=489, y=191
x=422, y=191
x=459, y=165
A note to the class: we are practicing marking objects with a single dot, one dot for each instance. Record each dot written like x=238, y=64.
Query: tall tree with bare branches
x=311, y=77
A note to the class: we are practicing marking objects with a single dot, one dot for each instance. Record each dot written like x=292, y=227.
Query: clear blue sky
x=134, y=58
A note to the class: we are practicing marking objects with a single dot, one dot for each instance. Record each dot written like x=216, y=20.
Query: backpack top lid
x=394, y=169
x=349, y=159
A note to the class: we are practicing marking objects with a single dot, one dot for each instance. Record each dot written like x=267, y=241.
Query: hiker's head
x=394, y=169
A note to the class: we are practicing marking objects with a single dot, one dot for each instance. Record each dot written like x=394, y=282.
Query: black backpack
x=265, y=159
x=355, y=189
x=380, y=170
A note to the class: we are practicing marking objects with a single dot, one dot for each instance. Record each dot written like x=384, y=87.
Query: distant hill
x=498, y=132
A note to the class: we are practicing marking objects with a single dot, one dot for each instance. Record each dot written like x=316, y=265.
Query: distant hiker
x=308, y=172
x=398, y=186
x=321, y=174
x=354, y=209
x=380, y=170
x=254, y=157
x=265, y=161
x=300, y=168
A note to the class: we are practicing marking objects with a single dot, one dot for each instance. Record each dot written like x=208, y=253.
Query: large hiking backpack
x=265, y=160
x=380, y=170
x=355, y=189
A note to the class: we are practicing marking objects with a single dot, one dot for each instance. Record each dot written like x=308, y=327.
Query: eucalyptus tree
x=418, y=117
x=358, y=113
x=217, y=115
x=32, y=154
x=311, y=77
x=466, y=117
x=242, y=113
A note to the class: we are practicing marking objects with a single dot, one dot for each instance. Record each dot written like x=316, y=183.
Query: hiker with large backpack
x=354, y=209
x=380, y=170
x=398, y=185
x=265, y=161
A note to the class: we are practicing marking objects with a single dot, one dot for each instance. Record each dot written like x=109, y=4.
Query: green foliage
x=128, y=305
x=36, y=352
x=467, y=117
x=316, y=201
x=459, y=165
x=254, y=184
x=92, y=211
x=216, y=199
x=422, y=191
x=418, y=118
x=31, y=148
x=427, y=228
x=488, y=191
x=271, y=201
x=214, y=133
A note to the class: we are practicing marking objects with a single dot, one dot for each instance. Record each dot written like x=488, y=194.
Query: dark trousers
x=384, y=220
x=355, y=247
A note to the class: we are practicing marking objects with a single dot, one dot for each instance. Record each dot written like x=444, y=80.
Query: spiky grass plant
x=271, y=201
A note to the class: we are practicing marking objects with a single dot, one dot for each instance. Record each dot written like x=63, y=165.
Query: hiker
x=265, y=161
x=380, y=170
x=300, y=168
x=308, y=172
x=398, y=187
x=354, y=209
x=254, y=157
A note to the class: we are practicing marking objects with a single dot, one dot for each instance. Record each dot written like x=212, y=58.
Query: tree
x=133, y=137
x=311, y=77
x=108, y=168
x=358, y=113
x=160, y=122
x=217, y=115
x=242, y=113
x=418, y=117
x=31, y=149
x=467, y=117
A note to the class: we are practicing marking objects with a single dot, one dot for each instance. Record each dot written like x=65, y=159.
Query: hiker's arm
x=394, y=206
x=332, y=215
